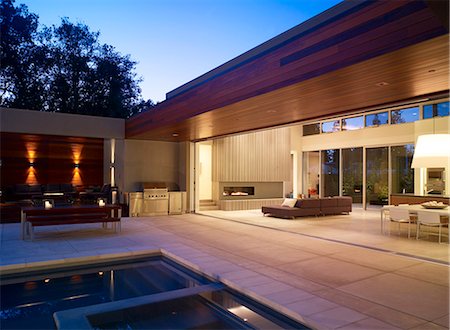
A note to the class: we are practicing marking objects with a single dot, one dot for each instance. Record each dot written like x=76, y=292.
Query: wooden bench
x=79, y=214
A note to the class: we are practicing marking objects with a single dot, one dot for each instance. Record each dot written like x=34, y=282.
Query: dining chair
x=400, y=215
x=430, y=219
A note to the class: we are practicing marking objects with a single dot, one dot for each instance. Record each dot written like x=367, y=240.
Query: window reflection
x=377, y=190
x=402, y=173
x=352, y=172
x=350, y=124
x=330, y=172
x=436, y=110
x=404, y=115
x=311, y=129
x=377, y=119
x=331, y=126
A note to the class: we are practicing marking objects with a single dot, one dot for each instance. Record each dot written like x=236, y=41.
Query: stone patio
x=334, y=272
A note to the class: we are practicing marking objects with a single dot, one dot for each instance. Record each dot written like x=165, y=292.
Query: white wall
x=64, y=124
x=151, y=161
x=205, y=170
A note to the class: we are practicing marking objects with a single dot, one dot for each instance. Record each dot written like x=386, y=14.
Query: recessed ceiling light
x=380, y=84
x=175, y=134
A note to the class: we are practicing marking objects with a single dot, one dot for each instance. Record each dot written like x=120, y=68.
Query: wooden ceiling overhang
x=356, y=56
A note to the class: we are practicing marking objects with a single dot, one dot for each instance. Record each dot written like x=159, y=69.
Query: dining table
x=413, y=209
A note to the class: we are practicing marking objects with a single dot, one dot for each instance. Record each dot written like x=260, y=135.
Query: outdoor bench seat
x=39, y=216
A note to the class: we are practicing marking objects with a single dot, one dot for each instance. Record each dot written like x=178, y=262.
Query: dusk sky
x=175, y=41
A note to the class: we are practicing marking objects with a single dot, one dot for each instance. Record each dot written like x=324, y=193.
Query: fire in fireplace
x=238, y=191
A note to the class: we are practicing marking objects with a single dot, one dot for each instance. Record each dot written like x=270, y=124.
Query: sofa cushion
x=344, y=201
x=328, y=202
x=308, y=203
x=35, y=188
x=289, y=202
x=52, y=188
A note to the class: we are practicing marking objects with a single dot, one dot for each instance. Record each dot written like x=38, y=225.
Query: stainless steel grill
x=156, y=202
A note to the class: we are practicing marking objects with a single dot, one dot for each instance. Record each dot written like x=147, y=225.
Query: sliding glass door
x=352, y=173
x=377, y=179
x=330, y=172
x=401, y=171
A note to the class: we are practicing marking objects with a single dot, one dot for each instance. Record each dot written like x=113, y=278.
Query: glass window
x=350, y=124
x=402, y=173
x=436, y=110
x=377, y=119
x=331, y=126
x=428, y=111
x=442, y=109
x=311, y=129
x=352, y=172
x=330, y=172
x=377, y=190
x=401, y=116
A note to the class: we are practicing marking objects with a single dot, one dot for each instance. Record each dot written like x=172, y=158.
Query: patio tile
x=389, y=315
x=269, y=288
x=438, y=274
x=311, y=306
x=337, y=317
x=330, y=272
x=422, y=299
x=289, y=296
x=430, y=326
x=375, y=259
x=368, y=324
x=443, y=321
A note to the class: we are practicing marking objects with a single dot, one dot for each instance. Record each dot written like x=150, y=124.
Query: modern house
x=333, y=106
x=337, y=106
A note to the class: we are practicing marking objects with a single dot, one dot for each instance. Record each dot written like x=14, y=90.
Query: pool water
x=149, y=293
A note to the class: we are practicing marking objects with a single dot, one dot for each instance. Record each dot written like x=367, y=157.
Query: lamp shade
x=432, y=150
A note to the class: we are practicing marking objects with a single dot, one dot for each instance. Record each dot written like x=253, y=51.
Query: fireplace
x=249, y=190
x=238, y=191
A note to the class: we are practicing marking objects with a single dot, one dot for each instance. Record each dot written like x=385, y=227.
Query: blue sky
x=175, y=41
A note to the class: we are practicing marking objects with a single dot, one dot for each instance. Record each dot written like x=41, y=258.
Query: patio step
x=208, y=205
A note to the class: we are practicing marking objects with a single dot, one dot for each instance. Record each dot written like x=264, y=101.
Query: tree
x=64, y=69
x=22, y=58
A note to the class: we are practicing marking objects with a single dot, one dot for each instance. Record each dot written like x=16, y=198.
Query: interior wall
x=152, y=161
x=257, y=156
x=263, y=156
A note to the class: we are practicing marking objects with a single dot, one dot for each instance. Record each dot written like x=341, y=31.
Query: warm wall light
x=432, y=151
x=31, y=164
x=76, y=165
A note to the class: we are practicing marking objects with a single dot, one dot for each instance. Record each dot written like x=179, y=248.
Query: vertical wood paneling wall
x=258, y=156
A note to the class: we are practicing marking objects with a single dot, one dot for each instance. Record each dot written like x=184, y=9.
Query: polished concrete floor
x=336, y=272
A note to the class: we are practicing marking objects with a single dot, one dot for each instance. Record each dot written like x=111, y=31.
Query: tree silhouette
x=64, y=68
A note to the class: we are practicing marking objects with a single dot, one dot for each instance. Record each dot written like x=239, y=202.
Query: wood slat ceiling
x=264, y=93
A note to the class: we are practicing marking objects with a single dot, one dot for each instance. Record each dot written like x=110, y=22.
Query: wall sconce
x=76, y=165
x=31, y=164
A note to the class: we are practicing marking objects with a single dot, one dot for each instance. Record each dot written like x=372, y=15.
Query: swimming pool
x=151, y=292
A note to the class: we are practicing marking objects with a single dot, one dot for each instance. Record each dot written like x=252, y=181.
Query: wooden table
x=64, y=215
